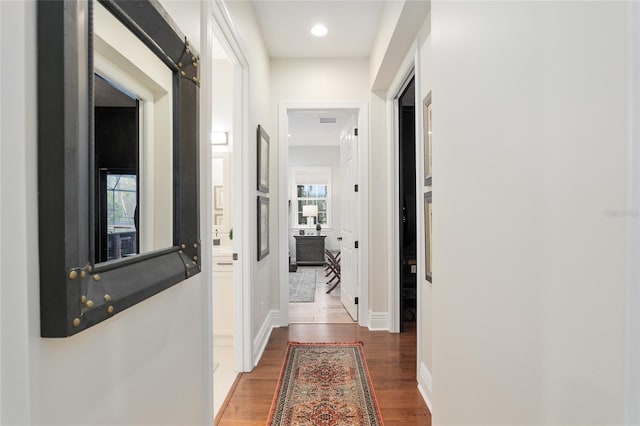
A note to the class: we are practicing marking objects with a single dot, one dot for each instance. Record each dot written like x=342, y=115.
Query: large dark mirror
x=118, y=159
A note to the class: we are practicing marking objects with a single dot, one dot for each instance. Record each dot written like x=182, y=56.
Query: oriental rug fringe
x=324, y=384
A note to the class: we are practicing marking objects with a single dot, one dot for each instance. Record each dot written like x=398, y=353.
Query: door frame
x=407, y=70
x=283, y=191
x=216, y=22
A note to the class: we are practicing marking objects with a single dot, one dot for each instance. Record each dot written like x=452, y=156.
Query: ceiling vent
x=327, y=120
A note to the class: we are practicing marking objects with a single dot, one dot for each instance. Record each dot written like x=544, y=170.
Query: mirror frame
x=75, y=293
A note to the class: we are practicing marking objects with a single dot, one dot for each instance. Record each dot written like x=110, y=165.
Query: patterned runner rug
x=302, y=285
x=324, y=384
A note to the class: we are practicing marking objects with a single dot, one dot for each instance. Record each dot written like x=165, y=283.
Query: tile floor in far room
x=224, y=376
x=325, y=309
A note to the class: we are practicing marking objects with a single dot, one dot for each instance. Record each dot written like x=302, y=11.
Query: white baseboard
x=425, y=385
x=261, y=339
x=222, y=337
x=275, y=318
x=378, y=321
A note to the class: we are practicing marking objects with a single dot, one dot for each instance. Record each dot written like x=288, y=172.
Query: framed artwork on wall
x=427, y=139
x=218, y=197
x=428, y=235
x=218, y=218
x=263, y=227
x=263, y=160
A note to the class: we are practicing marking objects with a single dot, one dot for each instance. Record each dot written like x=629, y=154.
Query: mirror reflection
x=133, y=143
x=116, y=163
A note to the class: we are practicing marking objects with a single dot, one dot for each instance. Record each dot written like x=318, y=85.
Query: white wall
x=146, y=365
x=378, y=206
x=530, y=161
x=222, y=102
x=315, y=156
x=18, y=238
x=316, y=80
x=264, y=279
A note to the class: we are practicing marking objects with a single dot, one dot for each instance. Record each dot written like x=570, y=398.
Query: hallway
x=392, y=364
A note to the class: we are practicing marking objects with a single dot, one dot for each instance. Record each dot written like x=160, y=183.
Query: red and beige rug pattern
x=326, y=385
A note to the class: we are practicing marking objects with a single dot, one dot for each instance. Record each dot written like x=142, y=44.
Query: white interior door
x=349, y=284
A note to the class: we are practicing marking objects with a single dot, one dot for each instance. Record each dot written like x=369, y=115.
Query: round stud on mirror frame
x=179, y=251
x=183, y=246
x=89, y=304
x=195, y=245
x=182, y=73
x=110, y=309
x=195, y=258
x=107, y=298
x=76, y=322
x=83, y=274
x=89, y=269
x=83, y=299
x=96, y=277
x=73, y=275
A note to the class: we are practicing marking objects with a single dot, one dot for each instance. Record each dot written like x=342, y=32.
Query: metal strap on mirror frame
x=189, y=72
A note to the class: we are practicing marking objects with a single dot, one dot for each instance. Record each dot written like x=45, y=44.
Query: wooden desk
x=310, y=249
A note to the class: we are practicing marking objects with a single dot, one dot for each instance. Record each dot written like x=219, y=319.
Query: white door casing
x=361, y=222
x=349, y=284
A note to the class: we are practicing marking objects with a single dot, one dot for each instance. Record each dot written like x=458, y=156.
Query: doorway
x=317, y=204
x=358, y=264
x=225, y=115
x=222, y=220
x=407, y=204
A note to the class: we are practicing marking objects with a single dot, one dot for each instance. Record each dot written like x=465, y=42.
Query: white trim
x=205, y=200
x=420, y=243
x=425, y=385
x=262, y=338
x=406, y=71
x=379, y=321
x=283, y=186
x=632, y=332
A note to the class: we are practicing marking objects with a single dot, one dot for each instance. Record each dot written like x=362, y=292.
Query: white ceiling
x=305, y=128
x=285, y=27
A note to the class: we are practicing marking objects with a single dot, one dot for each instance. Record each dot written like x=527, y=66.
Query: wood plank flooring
x=326, y=308
x=391, y=359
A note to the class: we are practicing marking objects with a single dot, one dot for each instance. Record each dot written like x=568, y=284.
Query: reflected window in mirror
x=133, y=136
x=116, y=163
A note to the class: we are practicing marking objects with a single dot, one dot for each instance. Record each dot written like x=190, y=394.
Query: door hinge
x=356, y=244
x=355, y=132
x=355, y=188
x=235, y=256
x=356, y=301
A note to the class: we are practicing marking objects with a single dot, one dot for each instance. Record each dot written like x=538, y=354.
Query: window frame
x=324, y=177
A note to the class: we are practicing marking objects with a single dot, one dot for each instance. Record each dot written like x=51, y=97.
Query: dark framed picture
x=263, y=160
x=263, y=227
x=218, y=200
x=428, y=235
x=427, y=139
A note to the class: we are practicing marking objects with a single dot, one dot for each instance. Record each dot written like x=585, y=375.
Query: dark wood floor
x=391, y=359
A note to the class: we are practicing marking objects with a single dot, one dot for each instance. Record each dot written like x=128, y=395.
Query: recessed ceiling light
x=319, y=30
